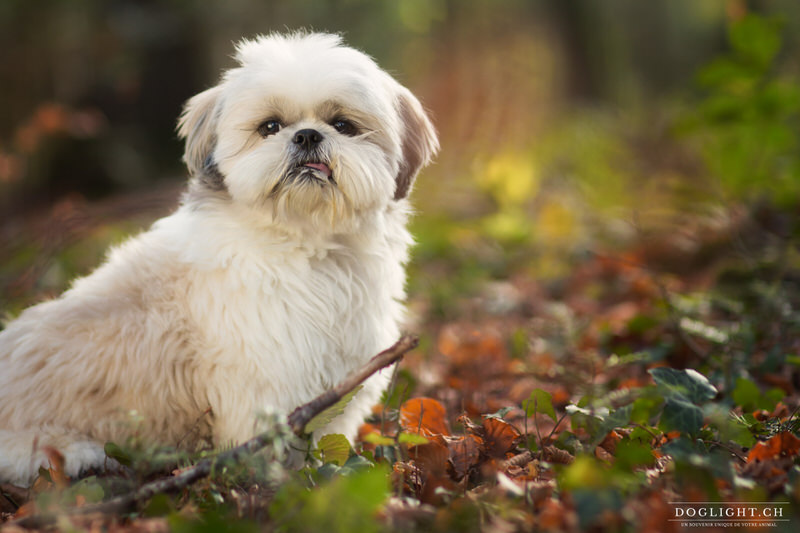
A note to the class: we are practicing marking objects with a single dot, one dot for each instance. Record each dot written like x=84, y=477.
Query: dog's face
x=308, y=131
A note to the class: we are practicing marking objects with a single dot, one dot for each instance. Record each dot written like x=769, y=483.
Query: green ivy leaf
x=616, y=419
x=686, y=385
x=358, y=463
x=646, y=407
x=540, y=402
x=633, y=453
x=681, y=415
x=326, y=416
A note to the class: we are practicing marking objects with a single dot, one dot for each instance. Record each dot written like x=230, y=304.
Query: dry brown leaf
x=499, y=437
x=56, y=469
x=425, y=416
x=551, y=454
x=464, y=454
x=431, y=462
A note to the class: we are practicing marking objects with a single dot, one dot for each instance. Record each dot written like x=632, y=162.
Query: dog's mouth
x=321, y=168
x=313, y=172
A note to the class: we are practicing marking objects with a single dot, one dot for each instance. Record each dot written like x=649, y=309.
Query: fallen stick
x=297, y=421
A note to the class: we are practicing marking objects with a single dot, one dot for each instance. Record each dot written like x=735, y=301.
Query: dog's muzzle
x=307, y=139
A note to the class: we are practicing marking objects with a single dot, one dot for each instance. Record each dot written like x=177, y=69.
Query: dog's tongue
x=322, y=167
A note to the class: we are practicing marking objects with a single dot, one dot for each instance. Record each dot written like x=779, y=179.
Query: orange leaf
x=610, y=441
x=425, y=416
x=56, y=469
x=26, y=509
x=781, y=445
x=499, y=437
x=552, y=517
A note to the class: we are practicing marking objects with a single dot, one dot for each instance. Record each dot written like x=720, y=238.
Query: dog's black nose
x=307, y=139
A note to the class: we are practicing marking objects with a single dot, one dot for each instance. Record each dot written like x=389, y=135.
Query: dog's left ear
x=419, y=142
x=196, y=125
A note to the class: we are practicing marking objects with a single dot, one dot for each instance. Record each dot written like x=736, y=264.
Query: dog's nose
x=307, y=139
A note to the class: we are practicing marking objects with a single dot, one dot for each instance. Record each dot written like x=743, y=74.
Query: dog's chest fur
x=283, y=320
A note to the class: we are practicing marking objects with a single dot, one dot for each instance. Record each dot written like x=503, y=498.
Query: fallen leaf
x=552, y=516
x=464, y=454
x=431, y=460
x=26, y=509
x=610, y=441
x=499, y=437
x=56, y=469
x=552, y=454
x=425, y=416
x=781, y=445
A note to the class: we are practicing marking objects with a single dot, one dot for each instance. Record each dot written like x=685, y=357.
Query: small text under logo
x=729, y=514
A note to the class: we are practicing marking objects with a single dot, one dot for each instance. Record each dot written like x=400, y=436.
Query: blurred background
x=666, y=129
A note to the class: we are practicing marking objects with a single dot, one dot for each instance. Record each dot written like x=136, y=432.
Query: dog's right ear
x=197, y=126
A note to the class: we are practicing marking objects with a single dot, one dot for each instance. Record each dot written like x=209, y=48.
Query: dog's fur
x=269, y=284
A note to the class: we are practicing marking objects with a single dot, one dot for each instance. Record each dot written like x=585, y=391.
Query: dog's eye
x=269, y=127
x=345, y=127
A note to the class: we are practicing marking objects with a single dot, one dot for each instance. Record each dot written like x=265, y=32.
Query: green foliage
x=683, y=391
x=616, y=419
x=748, y=395
x=114, y=451
x=539, y=402
x=633, y=453
x=325, y=417
x=347, y=503
x=688, y=385
x=210, y=522
x=333, y=448
x=748, y=120
x=411, y=438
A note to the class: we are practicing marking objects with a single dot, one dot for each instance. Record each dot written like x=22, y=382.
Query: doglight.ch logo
x=730, y=514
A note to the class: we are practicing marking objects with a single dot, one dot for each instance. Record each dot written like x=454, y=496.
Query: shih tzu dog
x=281, y=272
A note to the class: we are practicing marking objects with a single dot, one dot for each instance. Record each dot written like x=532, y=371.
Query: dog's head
x=307, y=130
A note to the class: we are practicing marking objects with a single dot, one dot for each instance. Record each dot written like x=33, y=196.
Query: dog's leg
x=22, y=453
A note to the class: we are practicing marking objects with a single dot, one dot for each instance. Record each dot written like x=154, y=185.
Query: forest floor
x=647, y=388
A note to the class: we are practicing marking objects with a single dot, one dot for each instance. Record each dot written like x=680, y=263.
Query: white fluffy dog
x=281, y=272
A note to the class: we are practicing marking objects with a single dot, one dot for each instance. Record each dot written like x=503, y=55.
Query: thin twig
x=648, y=430
x=303, y=414
x=558, y=423
x=193, y=426
x=297, y=421
x=728, y=448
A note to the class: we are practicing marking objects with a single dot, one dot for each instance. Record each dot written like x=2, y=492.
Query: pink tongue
x=322, y=167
